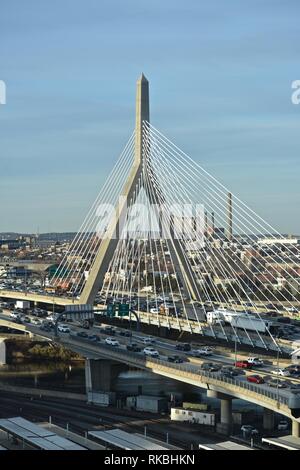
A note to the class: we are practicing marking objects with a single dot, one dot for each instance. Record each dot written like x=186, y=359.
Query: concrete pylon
x=295, y=428
x=109, y=244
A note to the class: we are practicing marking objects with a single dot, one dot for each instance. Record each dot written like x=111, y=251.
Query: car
x=243, y=364
x=94, y=338
x=295, y=387
x=283, y=425
x=257, y=379
x=63, y=329
x=249, y=430
x=255, y=361
x=82, y=334
x=36, y=321
x=210, y=367
x=277, y=383
x=133, y=347
x=112, y=342
x=148, y=340
x=183, y=347
x=176, y=359
x=154, y=310
x=229, y=371
x=151, y=352
x=126, y=333
x=200, y=352
x=45, y=328
x=281, y=372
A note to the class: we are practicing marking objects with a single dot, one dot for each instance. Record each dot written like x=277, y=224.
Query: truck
x=193, y=416
x=239, y=320
x=22, y=304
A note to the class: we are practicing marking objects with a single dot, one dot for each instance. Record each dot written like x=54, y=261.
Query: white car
x=112, y=342
x=63, y=329
x=148, y=340
x=255, y=361
x=281, y=372
x=154, y=310
x=14, y=315
x=151, y=352
x=200, y=352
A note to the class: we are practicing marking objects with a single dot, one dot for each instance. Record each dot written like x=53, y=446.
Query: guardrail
x=186, y=370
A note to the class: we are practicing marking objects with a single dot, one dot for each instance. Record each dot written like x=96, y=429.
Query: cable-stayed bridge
x=168, y=239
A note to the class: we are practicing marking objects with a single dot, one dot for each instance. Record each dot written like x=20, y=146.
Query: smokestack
x=213, y=222
x=229, y=235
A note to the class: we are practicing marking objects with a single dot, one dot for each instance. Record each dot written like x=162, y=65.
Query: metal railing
x=220, y=380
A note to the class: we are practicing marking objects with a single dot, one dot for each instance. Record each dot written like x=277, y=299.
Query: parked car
x=176, y=359
x=183, y=347
x=257, y=379
x=112, y=342
x=151, y=352
x=133, y=347
x=63, y=329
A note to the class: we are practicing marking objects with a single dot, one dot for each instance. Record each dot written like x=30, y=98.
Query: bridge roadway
x=180, y=324
x=282, y=401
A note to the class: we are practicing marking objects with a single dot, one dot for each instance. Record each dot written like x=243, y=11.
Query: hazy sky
x=220, y=77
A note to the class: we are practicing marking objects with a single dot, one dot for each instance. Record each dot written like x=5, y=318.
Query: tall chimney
x=229, y=233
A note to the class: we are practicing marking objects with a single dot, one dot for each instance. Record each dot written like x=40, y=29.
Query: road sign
x=123, y=310
x=111, y=310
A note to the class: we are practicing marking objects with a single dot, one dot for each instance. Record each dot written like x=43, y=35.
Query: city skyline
x=220, y=90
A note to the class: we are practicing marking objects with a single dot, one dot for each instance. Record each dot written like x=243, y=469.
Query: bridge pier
x=2, y=351
x=268, y=419
x=100, y=374
x=295, y=428
x=225, y=425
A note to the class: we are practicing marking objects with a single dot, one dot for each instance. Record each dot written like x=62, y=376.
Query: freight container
x=195, y=406
x=193, y=416
x=151, y=404
x=22, y=304
x=102, y=398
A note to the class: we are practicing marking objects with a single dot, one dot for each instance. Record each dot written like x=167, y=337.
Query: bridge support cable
x=194, y=169
x=193, y=234
x=101, y=198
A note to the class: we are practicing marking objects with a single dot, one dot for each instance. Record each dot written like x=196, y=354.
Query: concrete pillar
x=268, y=419
x=295, y=428
x=2, y=351
x=99, y=374
x=225, y=426
x=226, y=413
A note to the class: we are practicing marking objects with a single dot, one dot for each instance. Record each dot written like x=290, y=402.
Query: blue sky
x=220, y=77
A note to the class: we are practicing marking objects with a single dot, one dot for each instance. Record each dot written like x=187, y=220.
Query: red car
x=243, y=364
x=257, y=379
